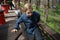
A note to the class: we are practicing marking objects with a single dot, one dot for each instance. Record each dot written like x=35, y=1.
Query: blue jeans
x=37, y=35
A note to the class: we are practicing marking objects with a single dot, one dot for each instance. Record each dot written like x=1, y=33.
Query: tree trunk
x=29, y=1
x=48, y=4
x=46, y=14
x=38, y=4
x=46, y=9
x=54, y=2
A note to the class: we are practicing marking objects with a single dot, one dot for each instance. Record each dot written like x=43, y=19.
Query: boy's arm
x=17, y=23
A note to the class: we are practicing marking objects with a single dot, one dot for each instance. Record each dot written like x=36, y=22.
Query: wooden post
x=18, y=4
x=25, y=1
x=4, y=1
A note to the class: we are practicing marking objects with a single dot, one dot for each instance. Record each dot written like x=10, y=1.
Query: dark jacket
x=30, y=22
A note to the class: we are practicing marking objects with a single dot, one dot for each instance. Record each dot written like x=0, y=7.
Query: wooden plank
x=5, y=31
x=23, y=35
x=52, y=33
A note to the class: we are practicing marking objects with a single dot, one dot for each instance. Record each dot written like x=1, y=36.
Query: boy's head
x=28, y=9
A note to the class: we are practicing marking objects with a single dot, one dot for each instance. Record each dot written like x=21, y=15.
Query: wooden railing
x=48, y=32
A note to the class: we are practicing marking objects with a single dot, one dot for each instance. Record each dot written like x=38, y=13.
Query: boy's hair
x=27, y=6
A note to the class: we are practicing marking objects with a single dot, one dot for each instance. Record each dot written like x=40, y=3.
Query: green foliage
x=53, y=18
x=21, y=4
x=34, y=7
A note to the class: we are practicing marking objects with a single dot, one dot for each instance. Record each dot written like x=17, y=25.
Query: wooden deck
x=6, y=34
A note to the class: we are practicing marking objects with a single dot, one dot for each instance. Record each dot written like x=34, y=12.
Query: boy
x=30, y=20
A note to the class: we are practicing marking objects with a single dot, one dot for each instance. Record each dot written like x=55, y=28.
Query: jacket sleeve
x=38, y=17
x=17, y=23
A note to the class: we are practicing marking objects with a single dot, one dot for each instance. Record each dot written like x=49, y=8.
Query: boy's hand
x=14, y=30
